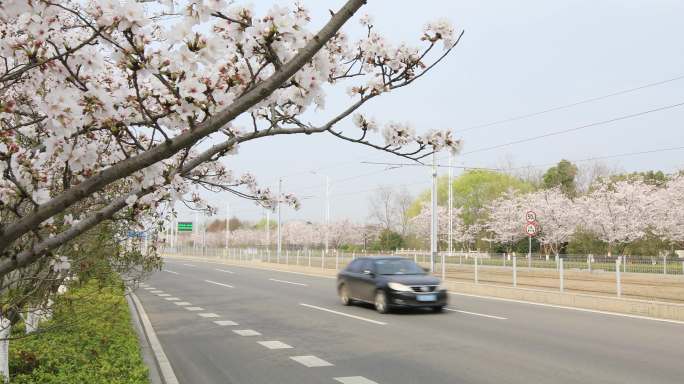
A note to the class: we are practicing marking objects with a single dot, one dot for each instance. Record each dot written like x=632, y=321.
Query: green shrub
x=90, y=339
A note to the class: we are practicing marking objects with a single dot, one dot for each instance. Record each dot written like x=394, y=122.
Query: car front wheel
x=381, y=302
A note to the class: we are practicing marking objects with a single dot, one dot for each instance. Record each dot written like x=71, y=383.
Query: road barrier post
x=515, y=271
x=560, y=265
x=529, y=262
x=589, y=262
x=664, y=264
x=287, y=257
x=617, y=277
x=504, y=259
x=322, y=259
x=476, y=277
x=337, y=261
x=309, y=258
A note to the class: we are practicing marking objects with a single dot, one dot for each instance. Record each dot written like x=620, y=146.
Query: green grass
x=90, y=339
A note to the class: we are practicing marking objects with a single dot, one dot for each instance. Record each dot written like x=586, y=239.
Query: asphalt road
x=478, y=341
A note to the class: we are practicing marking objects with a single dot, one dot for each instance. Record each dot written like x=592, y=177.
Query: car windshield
x=398, y=267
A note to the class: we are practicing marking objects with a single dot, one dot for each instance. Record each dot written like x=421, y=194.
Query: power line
x=398, y=165
x=603, y=122
x=528, y=115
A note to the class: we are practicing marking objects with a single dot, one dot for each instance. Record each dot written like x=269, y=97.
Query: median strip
x=289, y=282
x=344, y=314
x=221, y=284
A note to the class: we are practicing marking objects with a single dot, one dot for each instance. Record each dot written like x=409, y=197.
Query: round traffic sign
x=531, y=229
x=531, y=217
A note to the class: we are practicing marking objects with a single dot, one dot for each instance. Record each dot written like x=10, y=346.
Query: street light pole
x=450, y=213
x=227, y=225
x=433, y=226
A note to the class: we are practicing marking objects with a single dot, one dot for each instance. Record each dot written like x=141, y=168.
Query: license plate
x=432, y=297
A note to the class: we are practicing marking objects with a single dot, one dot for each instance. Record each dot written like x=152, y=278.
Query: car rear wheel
x=381, y=302
x=344, y=295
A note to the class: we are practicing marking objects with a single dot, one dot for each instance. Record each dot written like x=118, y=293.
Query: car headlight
x=399, y=287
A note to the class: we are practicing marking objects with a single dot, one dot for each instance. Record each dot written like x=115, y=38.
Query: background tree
x=562, y=175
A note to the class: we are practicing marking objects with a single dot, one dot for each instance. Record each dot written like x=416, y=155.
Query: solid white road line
x=344, y=314
x=165, y=367
x=571, y=308
x=194, y=308
x=172, y=298
x=169, y=271
x=221, y=284
x=208, y=315
x=311, y=361
x=274, y=344
x=224, y=323
x=246, y=332
x=163, y=295
x=182, y=303
x=223, y=270
x=188, y=265
x=477, y=314
x=289, y=282
x=354, y=380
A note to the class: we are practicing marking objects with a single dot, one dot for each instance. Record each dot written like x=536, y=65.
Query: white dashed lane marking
x=148, y=288
x=156, y=291
x=208, y=315
x=223, y=270
x=246, y=332
x=225, y=323
x=182, y=303
x=163, y=295
x=274, y=344
x=354, y=380
x=188, y=265
x=344, y=314
x=169, y=271
x=194, y=308
x=311, y=361
x=221, y=284
x=477, y=314
x=289, y=282
x=172, y=299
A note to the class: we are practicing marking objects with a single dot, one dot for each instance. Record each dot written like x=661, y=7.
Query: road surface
x=231, y=324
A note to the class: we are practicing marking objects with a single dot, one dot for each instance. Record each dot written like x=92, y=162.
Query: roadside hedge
x=90, y=339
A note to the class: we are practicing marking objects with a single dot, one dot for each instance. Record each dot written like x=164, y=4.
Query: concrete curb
x=634, y=307
x=148, y=356
x=163, y=365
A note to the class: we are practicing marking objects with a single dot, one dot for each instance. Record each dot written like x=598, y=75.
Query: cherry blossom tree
x=557, y=214
x=618, y=212
x=666, y=216
x=138, y=92
x=421, y=224
x=505, y=218
x=344, y=232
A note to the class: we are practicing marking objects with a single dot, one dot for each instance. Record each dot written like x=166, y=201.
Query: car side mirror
x=368, y=272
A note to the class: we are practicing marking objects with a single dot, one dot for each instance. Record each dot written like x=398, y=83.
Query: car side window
x=368, y=265
x=355, y=266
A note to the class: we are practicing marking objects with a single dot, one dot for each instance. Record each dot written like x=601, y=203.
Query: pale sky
x=516, y=58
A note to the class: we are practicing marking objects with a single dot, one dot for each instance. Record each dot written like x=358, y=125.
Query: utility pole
x=279, y=247
x=433, y=226
x=327, y=212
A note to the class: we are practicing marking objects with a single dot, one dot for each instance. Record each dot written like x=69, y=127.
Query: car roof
x=383, y=258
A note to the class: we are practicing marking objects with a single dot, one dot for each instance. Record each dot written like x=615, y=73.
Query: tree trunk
x=32, y=319
x=5, y=327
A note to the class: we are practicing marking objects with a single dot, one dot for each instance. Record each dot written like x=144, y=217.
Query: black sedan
x=389, y=282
